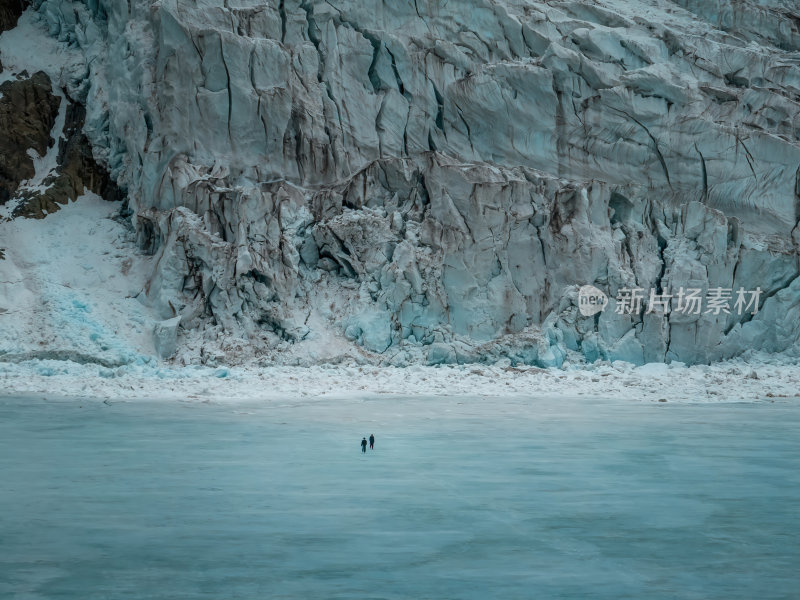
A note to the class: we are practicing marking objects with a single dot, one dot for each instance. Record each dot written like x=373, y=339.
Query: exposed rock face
x=28, y=111
x=434, y=181
x=10, y=10
x=76, y=172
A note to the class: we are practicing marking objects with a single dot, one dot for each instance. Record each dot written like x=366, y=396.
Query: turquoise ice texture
x=434, y=181
x=492, y=498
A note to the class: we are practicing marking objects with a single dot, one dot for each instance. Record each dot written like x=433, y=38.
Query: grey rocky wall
x=434, y=181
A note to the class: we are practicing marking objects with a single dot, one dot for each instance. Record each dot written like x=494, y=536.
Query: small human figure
x=363, y=444
x=371, y=441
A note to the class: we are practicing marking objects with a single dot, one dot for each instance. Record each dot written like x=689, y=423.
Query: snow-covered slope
x=69, y=287
x=413, y=181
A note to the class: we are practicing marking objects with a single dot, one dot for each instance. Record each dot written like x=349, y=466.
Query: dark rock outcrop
x=77, y=171
x=28, y=111
x=10, y=11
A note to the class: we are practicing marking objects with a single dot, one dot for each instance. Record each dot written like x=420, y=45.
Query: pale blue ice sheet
x=523, y=499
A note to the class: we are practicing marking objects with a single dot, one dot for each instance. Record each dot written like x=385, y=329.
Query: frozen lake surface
x=502, y=498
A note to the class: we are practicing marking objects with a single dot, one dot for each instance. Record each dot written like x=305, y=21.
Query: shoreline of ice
x=763, y=378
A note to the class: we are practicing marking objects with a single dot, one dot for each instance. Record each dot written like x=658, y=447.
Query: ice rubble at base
x=434, y=181
x=755, y=377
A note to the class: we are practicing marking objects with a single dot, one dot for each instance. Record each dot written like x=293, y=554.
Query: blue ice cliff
x=425, y=181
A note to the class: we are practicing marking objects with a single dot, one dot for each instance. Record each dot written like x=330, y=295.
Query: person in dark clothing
x=363, y=444
x=371, y=441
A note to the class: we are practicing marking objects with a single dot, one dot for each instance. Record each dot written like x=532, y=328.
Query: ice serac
x=434, y=182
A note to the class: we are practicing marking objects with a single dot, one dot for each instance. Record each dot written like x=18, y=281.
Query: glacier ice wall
x=434, y=181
